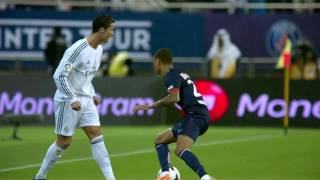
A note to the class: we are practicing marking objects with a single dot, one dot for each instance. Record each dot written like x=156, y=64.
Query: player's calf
x=101, y=155
x=161, y=144
x=53, y=155
x=99, y=150
x=192, y=161
x=163, y=156
x=184, y=143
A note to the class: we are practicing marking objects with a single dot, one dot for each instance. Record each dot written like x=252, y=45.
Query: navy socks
x=163, y=156
x=192, y=161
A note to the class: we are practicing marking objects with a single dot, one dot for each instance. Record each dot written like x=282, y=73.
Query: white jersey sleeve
x=92, y=89
x=72, y=58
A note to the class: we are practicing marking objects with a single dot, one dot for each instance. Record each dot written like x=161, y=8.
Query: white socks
x=53, y=155
x=101, y=156
x=99, y=153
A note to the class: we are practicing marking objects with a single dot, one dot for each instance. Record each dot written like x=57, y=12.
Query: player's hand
x=96, y=100
x=76, y=106
x=141, y=107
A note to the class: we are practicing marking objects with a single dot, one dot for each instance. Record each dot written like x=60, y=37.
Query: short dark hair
x=101, y=21
x=164, y=55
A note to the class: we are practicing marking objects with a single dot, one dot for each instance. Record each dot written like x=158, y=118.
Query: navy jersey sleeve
x=173, y=82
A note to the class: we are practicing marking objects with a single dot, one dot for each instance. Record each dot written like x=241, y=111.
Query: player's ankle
x=163, y=173
x=110, y=178
x=40, y=176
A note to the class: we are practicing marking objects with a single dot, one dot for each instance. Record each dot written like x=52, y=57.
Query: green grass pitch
x=226, y=153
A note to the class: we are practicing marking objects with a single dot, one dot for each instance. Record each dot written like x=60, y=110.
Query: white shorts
x=67, y=119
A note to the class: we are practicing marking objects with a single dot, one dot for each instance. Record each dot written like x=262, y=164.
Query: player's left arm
x=95, y=98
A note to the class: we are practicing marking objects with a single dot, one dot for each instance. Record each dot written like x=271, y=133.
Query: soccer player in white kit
x=75, y=98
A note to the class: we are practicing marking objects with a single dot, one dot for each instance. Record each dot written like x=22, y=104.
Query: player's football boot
x=164, y=176
x=207, y=177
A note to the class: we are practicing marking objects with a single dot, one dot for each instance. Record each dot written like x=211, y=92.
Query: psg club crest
x=277, y=35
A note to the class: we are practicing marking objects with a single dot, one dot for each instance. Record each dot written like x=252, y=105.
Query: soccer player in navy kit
x=181, y=90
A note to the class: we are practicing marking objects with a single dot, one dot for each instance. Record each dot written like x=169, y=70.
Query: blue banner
x=141, y=34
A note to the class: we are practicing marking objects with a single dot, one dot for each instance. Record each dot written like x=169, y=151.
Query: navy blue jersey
x=189, y=96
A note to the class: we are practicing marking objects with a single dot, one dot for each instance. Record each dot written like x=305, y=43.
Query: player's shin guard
x=163, y=156
x=53, y=155
x=100, y=154
x=192, y=161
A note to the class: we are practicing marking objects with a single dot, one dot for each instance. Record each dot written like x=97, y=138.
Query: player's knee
x=158, y=140
x=178, y=151
x=94, y=135
x=64, y=143
x=92, y=131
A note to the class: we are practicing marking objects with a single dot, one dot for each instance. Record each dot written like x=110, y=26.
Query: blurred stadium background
x=244, y=91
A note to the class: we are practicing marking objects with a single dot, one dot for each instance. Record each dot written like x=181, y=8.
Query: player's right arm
x=173, y=84
x=171, y=98
x=70, y=59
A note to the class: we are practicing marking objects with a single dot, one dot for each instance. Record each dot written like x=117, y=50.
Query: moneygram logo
x=265, y=106
x=215, y=97
x=18, y=104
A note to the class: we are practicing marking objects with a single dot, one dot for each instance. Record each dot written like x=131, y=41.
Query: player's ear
x=101, y=30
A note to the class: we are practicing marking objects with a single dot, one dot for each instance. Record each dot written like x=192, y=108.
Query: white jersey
x=76, y=70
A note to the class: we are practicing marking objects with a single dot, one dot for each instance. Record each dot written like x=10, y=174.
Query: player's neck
x=165, y=70
x=93, y=41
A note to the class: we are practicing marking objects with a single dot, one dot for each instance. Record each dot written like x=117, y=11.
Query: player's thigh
x=89, y=114
x=89, y=120
x=189, y=127
x=165, y=137
x=66, y=119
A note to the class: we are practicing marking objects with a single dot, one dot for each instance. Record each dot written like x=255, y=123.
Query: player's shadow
x=16, y=121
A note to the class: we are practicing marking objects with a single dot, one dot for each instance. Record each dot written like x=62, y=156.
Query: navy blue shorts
x=193, y=126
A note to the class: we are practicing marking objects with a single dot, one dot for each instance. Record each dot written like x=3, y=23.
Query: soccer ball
x=174, y=173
